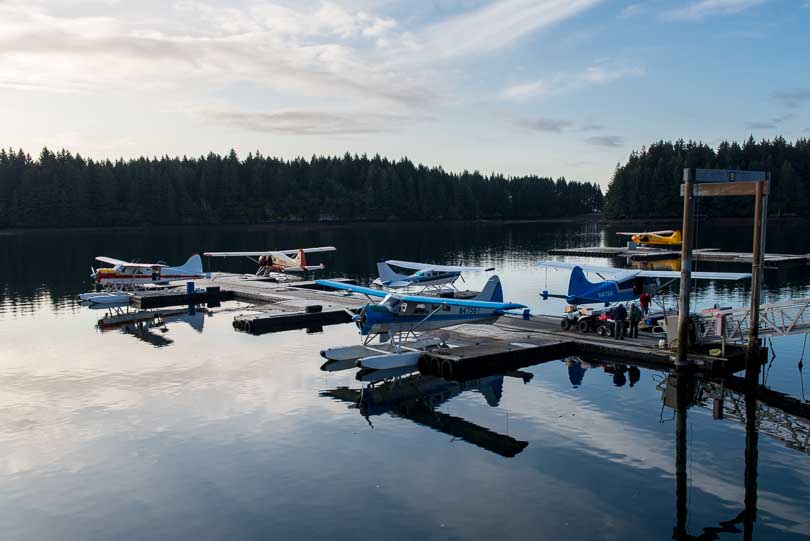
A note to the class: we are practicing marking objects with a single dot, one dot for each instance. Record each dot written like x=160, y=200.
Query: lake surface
x=190, y=430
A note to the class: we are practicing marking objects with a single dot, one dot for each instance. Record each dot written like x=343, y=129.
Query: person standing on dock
x=635, y=317
x=619, y=315
x=644, y=300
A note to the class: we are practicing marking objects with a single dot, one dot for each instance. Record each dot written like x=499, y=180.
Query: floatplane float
x=397, y=318
x=123, y=277
x=278, y=262
x=425, y=276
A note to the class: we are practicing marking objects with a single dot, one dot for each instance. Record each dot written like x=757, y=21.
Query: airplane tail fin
x=193, y=265
x=492, y=292
x=301, y=259
x=578, y=284
x=676, y=236
x=387, y=274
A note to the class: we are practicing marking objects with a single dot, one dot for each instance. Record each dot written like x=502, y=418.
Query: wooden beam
x=726, y=189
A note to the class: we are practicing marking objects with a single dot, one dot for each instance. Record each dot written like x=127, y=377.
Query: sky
x=546, y=87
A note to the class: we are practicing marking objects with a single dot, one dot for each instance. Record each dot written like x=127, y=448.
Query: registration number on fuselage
x=469, y=310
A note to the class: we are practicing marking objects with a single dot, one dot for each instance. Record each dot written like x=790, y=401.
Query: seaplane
x=397, y=317
x=667, y=237
x=621, y=285
x=425, y=276
x=279, y=261
x=128, y=275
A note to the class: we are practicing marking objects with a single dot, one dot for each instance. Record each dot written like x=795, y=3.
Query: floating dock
x=642, y=253
x=509, y=343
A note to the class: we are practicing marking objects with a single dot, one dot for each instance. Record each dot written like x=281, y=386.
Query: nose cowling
x=371, y=315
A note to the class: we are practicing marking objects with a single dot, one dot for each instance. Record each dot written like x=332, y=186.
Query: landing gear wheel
x=601, y=330
x=565, y=323
x=583, y=325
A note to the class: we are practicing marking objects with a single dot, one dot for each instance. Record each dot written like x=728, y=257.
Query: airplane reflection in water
x=415, y=396
x=150, y=326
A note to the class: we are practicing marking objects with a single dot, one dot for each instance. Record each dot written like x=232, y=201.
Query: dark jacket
x=620, y=313
x=635, y=313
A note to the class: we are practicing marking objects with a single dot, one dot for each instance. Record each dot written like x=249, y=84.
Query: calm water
x=194, y=431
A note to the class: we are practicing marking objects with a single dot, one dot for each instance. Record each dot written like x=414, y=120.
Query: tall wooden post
x=756, y=272
x=686, y=268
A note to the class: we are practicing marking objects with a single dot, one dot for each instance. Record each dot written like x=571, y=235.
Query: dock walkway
x=704, y=254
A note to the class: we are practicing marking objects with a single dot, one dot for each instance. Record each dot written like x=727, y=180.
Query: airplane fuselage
x=129, y=276
x=423, y=278
x=394, y=316
x=611, y=291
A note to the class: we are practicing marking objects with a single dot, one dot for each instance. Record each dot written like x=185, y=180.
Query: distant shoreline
x=588, y=218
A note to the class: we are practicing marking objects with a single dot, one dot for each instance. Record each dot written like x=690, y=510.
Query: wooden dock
x=509, y=343
x=704, y=254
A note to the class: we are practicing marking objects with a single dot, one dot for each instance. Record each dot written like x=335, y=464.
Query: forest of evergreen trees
x=62, y=189
x=648, y=185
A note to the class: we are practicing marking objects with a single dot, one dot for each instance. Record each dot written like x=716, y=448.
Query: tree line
x=648, y=185
x=64, y=189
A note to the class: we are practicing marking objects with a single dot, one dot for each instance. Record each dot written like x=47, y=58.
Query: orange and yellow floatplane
x=667, y=237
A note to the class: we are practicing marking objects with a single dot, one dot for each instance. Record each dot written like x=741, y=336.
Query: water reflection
x=151, y=326
x=416, y=397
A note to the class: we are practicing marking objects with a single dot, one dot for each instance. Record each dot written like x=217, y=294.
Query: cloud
x=699, y=10
x=771, y=124
x=496, y=25
x=633, y=10
x=546, y=124
x=759, y=125
x=309, y=122
x=611, y=141
x=601, y=72
x=592, y=127
x=791, y=98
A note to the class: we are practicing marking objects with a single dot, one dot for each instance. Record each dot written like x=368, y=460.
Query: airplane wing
x=631, y=233
x=113, y=261
x=440, y=268
x=610, y=271
x=309, y=250
x=623, y=274
x=696, y=275
x=460, y=302
x=353, y=288
x=269, y=252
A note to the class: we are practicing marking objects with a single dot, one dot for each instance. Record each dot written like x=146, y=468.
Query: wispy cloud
x=546, y=124
x=611, y=141
x=309, y=122
x=792, y=98
x=770, y=124
x=598, y=73
x=760, y=125
x=699, y=10
x=495, y=25
x=592, y=127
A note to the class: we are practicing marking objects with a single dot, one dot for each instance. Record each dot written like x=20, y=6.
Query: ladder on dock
x=776, y=319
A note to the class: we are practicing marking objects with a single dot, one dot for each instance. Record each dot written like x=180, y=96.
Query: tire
x=601, y=330
x=583, y=325
x=565, y=323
